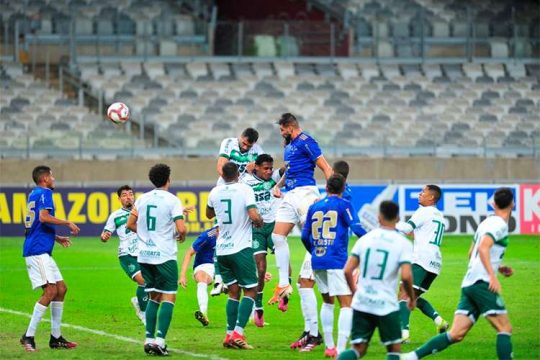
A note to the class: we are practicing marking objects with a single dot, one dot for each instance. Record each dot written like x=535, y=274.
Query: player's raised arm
x=47, y=218
x=324, y=166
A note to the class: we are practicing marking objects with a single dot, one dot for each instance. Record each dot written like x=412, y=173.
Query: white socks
x=39, y=311
x=202, y=297
x=308, y=303
x=344, y=328
x=57, y=309
x=327, y=320
x=281, y=249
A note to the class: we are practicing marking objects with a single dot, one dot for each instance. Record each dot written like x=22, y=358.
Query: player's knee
x=457, y=335
x=50, y=292
x=279, y=240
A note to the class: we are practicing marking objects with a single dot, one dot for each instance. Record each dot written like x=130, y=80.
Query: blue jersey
x=326, y=232
x=204, y=247
x=39, y=236
x=347, y=193
x=300, y=157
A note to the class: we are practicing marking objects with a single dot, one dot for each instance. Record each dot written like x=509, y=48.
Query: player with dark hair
x=262, y=180
x=480, y=289
x=203, y=269
x=381, y=256
x=302, y=154
x=40, y=234
x=326, y=237
x=427, y=225
x=158, y=219
x=127, y=247
x=242, y=151
x=233, y=204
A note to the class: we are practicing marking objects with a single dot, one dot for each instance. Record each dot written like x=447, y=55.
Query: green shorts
x=478, y=300
x=239, y=268
x=162, y=278
x=364, y=325
x=262, y=239
x=130, y=265
x=422, y=279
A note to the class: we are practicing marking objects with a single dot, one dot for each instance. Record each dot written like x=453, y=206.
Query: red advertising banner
x=530, y=208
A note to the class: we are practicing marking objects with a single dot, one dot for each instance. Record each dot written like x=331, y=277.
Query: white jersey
x=496, y=228
x=230, y=203
x=381, y=253
x=427, y=223
x=267, y=204
x=230, y=149
x=158, y=210
x=128, y=239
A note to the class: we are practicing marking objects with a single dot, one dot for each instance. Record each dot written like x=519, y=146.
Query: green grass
x=99, y=294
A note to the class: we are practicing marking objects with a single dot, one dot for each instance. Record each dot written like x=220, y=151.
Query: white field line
x=114, y=336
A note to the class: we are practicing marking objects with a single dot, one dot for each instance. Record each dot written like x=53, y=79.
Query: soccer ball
x=118, y=113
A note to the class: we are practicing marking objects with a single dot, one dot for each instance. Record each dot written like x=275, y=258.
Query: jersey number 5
x=30, y=214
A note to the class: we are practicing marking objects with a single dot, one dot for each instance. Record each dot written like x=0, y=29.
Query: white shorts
x=332, y=282
x=42, y=269
x=295, y=204
x=207, y=268
x=306, y=272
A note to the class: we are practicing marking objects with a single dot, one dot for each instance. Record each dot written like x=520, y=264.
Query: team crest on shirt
x=255, y=243
x=131, y=268
x=320, y=251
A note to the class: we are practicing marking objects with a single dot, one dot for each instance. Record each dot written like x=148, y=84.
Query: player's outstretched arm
x=348, y=270
x=185, y=264
x=407, y=281
x=486, y=242
x=220, y=162
x=63, y=240
x=324, y=166
x=47, y=218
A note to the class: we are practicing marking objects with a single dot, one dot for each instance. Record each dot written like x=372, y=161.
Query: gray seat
x=518, y=110
x=459, y=126
x=524, y=102
x=221, y=126
x=190, y=94
x=488, y=118
x=19, y=102
x=381, y=118
x=332, y=102
x=186, y=118
x=305, y=86
x=60, y=126
x=481, y=102
x=490, y=94
x=345, y=110
x=245, y=102
x=417, y=103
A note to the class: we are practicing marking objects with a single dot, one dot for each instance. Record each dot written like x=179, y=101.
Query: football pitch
x=99, y=316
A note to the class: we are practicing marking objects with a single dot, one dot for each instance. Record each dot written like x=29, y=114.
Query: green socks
x=434, y=345
x=142, y=298
x=348, y=355
x=392, y=356
x=504, y=346
x=164, y=318
x=258, y=300
x=426, y=308
x=151, y=318
x=232, y=313
x=405, y=314
x=244, y=311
